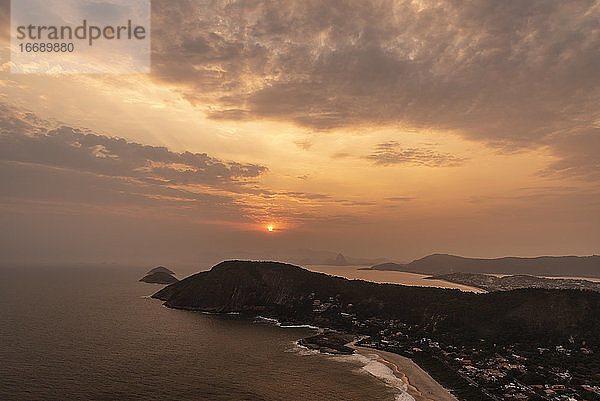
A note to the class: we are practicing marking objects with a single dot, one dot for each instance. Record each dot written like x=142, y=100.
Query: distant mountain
x=160, y=269
x=304, y=256
x=297, y=256
x=387, y=266
x=293, y=294
x=572, y=266
x=340, y=260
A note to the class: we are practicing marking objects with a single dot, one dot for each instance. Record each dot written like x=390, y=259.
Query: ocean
x=94, y=334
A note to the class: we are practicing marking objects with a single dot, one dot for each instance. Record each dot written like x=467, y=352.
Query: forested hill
x=291, y=293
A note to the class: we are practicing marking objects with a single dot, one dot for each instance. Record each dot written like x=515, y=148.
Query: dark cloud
x=77, y=191
x=391, y=153
x=25, y=139
x=305, y=195
x=510, y=73
x=45, y=163
x=60, y=167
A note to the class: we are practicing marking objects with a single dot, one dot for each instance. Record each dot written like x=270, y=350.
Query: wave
x=369, y=364
x=300, y=326
x=301, y=349
x=288, y=326
x=372, y=364
x=269, y=320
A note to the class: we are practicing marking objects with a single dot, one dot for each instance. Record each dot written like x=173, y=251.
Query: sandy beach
x=420, y=385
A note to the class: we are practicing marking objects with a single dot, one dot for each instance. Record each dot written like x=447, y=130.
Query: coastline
x=420, y=385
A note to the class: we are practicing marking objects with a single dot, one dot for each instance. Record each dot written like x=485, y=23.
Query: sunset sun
x=270, y=228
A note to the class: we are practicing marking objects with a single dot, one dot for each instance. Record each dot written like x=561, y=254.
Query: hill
x=572, y=266
x=161, y=269
x=290, y=293
x=159, y=277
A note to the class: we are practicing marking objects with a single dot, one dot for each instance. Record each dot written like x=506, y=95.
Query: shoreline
x=419, y=384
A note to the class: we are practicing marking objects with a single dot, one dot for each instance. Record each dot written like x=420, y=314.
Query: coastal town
x=490, y=282
x=478, y=370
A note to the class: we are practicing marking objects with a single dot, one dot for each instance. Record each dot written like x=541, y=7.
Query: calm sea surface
x=92, y=333
x=387, y=276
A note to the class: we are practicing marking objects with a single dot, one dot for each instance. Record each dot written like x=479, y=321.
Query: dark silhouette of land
x=479, y=345
x=570, y=266
x=293, y=294
x=159, y=275
x=161, y=269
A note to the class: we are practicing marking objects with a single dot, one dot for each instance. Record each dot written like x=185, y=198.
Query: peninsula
x=480, y=345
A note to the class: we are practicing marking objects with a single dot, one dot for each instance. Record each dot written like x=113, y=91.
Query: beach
x=420, y=385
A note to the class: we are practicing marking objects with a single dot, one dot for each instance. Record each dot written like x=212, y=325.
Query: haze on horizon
x=373, y=128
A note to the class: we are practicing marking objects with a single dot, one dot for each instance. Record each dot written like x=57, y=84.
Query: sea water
x=95, y=334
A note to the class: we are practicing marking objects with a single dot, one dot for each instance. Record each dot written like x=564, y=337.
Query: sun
x=270, y=228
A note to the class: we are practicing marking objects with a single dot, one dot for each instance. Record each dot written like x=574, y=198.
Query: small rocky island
x=159, y=275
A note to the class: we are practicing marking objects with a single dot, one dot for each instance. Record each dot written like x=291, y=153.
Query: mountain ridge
x=569, y=266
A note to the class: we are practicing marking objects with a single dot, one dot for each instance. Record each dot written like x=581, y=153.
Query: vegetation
x=527, y=344
x=289, y=292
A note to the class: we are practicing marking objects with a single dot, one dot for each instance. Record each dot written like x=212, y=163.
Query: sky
x=379, y=129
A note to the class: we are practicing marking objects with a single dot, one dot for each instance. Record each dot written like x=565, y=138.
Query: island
x=161, y=269
x=159, y=275
x=528, y=343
